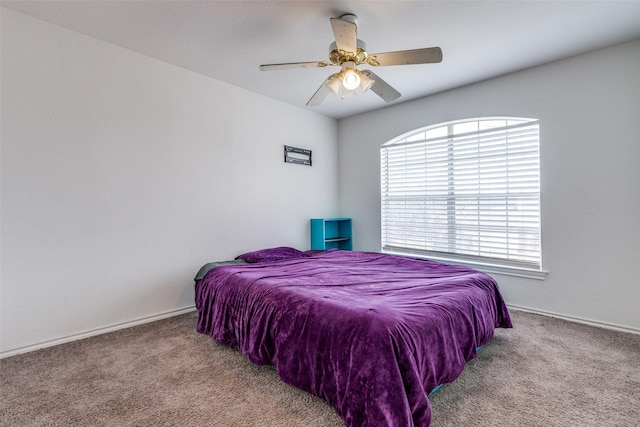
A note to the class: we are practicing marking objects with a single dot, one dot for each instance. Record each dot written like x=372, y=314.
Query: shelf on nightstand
x=330, y=233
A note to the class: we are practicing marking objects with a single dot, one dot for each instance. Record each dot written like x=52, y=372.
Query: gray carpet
x=544, y=372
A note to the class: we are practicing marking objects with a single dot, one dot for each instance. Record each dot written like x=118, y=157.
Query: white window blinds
x=465, y=190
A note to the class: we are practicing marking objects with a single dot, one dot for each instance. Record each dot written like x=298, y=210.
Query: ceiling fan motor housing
x=337, y=56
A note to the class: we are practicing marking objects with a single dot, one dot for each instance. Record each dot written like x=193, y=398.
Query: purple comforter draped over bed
x=369, y=333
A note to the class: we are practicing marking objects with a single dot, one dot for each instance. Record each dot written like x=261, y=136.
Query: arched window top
x=459, y=127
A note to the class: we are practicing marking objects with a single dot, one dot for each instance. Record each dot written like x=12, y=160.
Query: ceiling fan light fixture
x=365, y=82
x=349, y=76
x=334, y=84
x=350, y=80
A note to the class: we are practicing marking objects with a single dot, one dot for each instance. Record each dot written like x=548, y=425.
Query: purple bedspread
x=369, y=333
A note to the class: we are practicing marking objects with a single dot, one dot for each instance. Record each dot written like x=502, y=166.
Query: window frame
x=416, y=137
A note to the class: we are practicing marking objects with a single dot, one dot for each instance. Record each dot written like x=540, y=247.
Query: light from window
x=465, y=190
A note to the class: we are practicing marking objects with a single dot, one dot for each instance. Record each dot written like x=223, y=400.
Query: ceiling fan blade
x=345, y=33
x=428, y=55
x=286, y=66
x=382, y=88
x=320, y=94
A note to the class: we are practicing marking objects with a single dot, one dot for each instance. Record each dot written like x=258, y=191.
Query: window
x=466, y=191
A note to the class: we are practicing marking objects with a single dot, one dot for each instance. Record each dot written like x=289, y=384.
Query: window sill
x=484, y=267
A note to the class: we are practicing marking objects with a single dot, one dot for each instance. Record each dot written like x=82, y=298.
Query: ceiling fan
x=347, y=52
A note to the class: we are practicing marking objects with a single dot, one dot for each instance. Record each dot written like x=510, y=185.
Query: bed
x=372, y=334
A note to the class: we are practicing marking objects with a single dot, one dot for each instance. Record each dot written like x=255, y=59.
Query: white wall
x=589, y=111
x=122, y=175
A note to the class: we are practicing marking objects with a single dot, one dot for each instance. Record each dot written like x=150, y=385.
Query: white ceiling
x=228, y=40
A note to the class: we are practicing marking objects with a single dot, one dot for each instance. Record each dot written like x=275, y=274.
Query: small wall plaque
x=297, y=155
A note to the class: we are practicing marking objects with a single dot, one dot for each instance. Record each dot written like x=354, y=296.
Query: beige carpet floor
x=544, y=372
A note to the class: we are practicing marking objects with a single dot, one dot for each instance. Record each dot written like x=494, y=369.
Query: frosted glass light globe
x=350, y=80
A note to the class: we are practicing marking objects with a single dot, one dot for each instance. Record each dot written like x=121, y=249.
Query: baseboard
x=94, y=332
x=575, y=319
x=148, y=319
